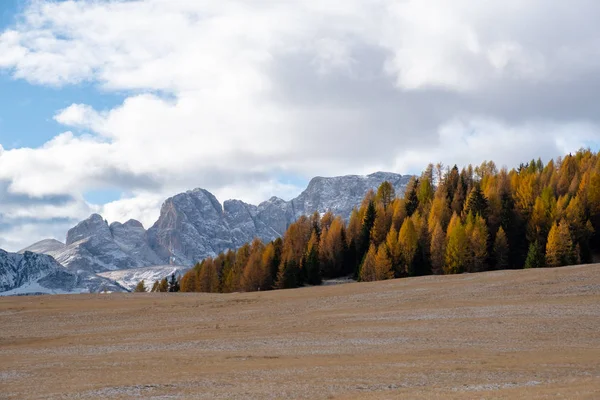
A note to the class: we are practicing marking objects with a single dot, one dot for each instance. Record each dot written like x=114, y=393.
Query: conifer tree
x=383, y=264
x=368, y=272
x=501, y=249
x=208, y=277
x=476, y=203
x=163, y=286
x=398, y=213
x=155, y=286
x=477, y=235
x=426, y=192
x=332, y=249
x=140, y=287
x=385, y=194
x=365, y=233
x=559, y=249
x=173, y=284
x=408, y=241
x=287, y=277
x=381, y=225
x=312, y=265
x=393, y=248
x=188, y=282
x=535, y=256
x=255, y=275
x=438, y=249
x=411, y=199
x=456, y=247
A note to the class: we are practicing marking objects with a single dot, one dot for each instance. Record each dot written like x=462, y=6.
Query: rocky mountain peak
x=93, y=226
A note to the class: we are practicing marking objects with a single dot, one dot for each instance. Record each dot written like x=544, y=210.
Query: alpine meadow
x=306, y=199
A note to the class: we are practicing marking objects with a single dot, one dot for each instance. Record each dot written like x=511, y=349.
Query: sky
x=113, y=106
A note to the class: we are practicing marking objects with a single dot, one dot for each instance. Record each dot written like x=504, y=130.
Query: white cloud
x=231, y=96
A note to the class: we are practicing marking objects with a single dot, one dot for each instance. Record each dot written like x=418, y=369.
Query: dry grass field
x=507, y=334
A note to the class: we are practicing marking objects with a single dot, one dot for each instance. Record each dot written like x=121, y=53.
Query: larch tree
x=332, y=249
x=438, y=249
x=255, y=275
x=140, y=287
x=398, y=213
x=408, y=241
x=365, y=234
x=188, y=282
x=163, y=286
x=208, y=278
x=368, y=272
x=559, y=248
x=383, y=264
x=477, y=233
x=385, y=194
x=381, y=225
x=457, y=245
x=393, y=248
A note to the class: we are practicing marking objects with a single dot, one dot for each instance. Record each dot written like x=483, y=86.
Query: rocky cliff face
x=31, y=273
x=194, y=225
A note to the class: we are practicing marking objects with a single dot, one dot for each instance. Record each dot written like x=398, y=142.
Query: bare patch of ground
x=501, y=335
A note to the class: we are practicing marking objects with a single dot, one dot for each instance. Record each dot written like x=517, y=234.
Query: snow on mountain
x=31, y=273
x=47, y=246
x=129, y=278
x=194, y=225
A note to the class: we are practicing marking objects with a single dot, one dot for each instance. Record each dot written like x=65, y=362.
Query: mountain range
x=191, y=226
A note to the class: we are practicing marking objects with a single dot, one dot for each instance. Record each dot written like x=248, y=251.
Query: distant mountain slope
x=194, y=225
x=129, y=278
x=47, y=246
x=31, y=273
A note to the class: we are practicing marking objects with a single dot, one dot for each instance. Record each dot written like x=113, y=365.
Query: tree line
x=448, y=221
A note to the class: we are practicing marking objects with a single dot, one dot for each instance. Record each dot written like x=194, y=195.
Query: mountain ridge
x=194, y=225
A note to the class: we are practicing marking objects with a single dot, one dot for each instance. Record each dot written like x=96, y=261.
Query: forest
x=448, y=221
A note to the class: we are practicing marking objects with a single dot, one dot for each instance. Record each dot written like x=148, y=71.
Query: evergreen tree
x=287, y=277
x=140, y=287
x=155, y=286
x=312, y=265
x=173, y=284
x=501, y=249
x=535, y=256
x=477, y=203
x=411, y=198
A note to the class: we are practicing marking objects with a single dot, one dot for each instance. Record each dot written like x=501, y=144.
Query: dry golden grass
x=508, y=334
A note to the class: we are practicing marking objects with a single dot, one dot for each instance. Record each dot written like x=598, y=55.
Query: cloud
x=233, y=96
